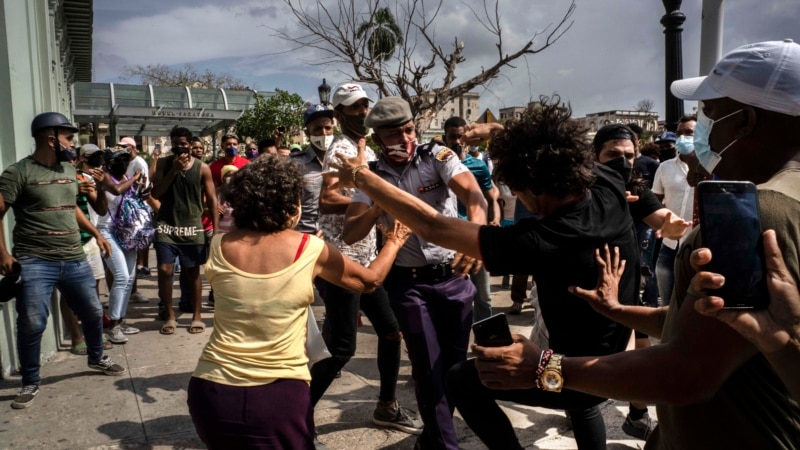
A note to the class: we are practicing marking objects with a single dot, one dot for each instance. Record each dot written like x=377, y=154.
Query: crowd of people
x=408, y=232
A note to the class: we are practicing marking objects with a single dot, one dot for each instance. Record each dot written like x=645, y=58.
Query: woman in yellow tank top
x=251, y=385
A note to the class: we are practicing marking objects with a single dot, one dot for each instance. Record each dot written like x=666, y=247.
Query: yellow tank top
x=259, y=321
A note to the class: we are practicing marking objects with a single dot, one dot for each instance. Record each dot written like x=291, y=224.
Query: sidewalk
x=78, y=408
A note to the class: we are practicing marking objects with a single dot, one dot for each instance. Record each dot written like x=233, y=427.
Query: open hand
x=346, y=166
x=605, y=296
x=673, y=228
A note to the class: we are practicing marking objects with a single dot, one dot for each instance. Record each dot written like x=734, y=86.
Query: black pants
x=341, y=317
x=478, y=406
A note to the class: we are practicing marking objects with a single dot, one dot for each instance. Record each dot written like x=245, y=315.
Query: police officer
x=431, y=299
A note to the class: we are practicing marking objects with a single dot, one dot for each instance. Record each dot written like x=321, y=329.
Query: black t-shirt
x=647, y=204
x=646, y=166
x=559, y=252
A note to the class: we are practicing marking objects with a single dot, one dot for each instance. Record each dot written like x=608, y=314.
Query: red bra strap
x=302, y=246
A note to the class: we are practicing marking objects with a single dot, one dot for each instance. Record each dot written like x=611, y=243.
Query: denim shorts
x=191, y=255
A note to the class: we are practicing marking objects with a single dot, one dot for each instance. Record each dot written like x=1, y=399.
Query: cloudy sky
x=612, y=57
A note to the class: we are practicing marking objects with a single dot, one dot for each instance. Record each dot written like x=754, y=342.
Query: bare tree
x=162, y=75
x=333, y=29
x=645, y=105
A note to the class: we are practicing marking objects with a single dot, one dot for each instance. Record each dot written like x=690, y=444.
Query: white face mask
x=322, y=142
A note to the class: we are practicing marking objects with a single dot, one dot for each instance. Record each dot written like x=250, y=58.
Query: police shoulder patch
x=445, y=155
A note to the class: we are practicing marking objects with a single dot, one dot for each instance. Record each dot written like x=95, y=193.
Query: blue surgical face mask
x=702, y=148
x=685, y=145
x=231, y=151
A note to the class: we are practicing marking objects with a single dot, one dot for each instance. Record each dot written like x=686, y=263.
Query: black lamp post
x=673, y=55
x=324, y=93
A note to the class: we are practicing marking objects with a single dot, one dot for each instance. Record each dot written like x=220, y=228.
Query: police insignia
x=445, y=155
x=424, y=189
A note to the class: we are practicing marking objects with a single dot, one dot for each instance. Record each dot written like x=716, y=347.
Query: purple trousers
x=435, y=319
x=272, y=416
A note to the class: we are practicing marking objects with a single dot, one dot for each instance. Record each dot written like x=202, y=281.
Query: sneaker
x=138, y=297
x=143, y=272
x=127, y=329
x=107, y=366
x=516, y=308
x=639, y=428
x=116, y=335
x=397, y=417
x=25, y=397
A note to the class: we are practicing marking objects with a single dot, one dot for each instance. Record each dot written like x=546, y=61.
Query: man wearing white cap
x=713, y=388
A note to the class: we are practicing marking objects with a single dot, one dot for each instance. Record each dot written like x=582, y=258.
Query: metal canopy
x=146, y=110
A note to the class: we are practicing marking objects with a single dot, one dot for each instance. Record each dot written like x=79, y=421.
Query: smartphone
x=492, y=331
x=731, y=228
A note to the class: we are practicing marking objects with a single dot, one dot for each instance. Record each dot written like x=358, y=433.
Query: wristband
x=543, y=360
x=355, y=172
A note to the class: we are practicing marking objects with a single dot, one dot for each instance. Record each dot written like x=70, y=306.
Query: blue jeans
x=482, y=305
x=75, y=281
x=122, y=264
x=665, y=272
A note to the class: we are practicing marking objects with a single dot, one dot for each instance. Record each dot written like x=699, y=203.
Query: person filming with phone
x=713, y=387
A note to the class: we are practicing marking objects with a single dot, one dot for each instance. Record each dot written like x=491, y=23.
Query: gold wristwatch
x=551, y=379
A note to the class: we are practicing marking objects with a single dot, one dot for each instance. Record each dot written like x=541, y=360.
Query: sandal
x=169, y=327
x=81, y=350
x=197, y=327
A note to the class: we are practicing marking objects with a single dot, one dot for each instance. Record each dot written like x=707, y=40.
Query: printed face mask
x=399, y=151
x=702, y=148
x=322, y=142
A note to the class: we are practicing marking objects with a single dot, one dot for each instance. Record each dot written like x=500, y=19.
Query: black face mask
x=117, y=168
x=622, y=167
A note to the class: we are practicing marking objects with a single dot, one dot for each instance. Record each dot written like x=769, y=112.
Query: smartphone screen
x=731, y=228
x=492, y=331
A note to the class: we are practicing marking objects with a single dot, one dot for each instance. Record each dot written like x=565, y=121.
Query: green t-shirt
x=752, y=409
x=43, y=200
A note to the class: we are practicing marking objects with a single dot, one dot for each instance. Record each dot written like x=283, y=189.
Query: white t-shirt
x=670, y=181
x=141, y=164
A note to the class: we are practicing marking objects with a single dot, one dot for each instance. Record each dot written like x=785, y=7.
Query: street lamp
x=324, y=93
x=673, y=55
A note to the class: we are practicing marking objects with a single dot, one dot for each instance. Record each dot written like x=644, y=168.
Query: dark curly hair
x=544, y=151
x=265, y=194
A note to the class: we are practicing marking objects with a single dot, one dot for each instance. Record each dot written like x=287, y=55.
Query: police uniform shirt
x=426, y=177
x=311, y=168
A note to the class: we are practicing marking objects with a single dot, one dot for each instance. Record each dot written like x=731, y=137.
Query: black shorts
x=191, y=255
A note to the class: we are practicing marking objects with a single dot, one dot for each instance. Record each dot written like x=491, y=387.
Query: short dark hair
x=612, y=132
x=454, y=122
x=688, y=118
x=543, y=151
x=265, y=194
x=264, y=143
x=651, y=149
x=636, y=128
x=197, y=139
x=229, y=136
x=179, y=132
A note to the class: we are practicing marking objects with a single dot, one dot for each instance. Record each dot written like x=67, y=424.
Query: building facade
x=467, y=106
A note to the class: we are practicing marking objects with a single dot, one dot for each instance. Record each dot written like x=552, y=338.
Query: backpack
x=133, y=223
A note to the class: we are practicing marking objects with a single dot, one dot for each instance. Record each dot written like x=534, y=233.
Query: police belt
x=425, y=274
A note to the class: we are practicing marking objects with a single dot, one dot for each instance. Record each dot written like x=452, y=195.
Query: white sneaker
x=116, y=335
x=127, y=329
x=138, y=297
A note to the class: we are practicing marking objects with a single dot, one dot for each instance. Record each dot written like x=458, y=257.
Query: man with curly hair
x=544, y=159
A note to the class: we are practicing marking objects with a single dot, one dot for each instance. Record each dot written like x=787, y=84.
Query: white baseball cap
x=765, y=75
x=348, y=93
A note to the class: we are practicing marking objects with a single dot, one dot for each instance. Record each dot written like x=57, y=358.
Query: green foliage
x=261, y=121
x=384, y=34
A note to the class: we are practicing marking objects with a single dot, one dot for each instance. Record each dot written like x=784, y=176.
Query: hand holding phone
x=730, y=226
x=492, y=331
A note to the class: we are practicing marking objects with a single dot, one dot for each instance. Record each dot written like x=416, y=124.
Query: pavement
x=78, y=408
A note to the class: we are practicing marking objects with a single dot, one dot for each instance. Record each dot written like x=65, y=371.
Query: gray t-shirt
x=425, y=177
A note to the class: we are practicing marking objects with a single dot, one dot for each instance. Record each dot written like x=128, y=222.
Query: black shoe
x=185, y=307
x=25, y=397
x=211, y=298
